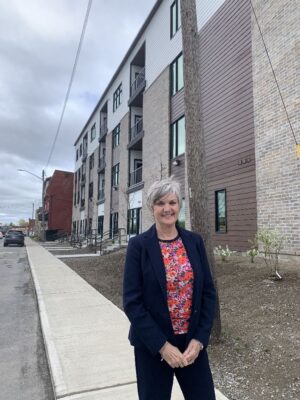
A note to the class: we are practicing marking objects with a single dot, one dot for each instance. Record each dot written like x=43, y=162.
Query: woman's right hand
x=173, y=356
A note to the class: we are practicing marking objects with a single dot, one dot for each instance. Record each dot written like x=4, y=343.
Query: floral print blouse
x=180, y=280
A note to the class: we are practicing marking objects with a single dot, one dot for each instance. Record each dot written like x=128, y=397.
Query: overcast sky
x=38, y=43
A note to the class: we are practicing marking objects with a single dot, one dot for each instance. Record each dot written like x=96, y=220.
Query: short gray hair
x=162, y=188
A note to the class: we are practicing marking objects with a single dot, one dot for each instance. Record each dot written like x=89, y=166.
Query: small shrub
x=271, y=243
x=252, y=253
x=224, y=253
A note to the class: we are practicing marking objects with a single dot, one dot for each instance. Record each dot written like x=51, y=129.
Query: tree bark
x=195, y=143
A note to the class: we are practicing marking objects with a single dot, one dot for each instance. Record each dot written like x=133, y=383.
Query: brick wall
x=277, y=165
x=123, y=159
x=59, y=201
x=107, y=189
x=156, y=137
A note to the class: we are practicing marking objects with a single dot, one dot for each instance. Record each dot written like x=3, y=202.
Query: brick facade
x=58, y=202
x=156, y=139
x=277, y=165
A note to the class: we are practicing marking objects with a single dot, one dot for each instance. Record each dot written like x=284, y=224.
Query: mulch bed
x=258, y=356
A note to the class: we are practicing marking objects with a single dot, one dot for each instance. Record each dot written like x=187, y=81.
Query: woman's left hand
x=193, y=350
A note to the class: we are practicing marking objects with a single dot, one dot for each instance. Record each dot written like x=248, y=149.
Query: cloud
x=37, y=49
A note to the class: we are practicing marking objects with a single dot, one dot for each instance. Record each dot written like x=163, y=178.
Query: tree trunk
x=195, y=144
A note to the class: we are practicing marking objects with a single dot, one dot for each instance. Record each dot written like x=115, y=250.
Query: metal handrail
x=138, y=82
x=136, y=129
x=136, y=176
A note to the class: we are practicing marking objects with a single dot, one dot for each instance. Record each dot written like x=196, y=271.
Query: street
x=24, y=373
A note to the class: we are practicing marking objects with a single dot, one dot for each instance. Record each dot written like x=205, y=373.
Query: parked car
x=14, y=237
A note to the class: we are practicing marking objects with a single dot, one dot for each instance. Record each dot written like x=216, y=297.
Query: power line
x=71, y=79
x=277, y=84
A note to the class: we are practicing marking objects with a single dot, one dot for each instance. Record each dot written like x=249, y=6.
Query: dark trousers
x=155, y=377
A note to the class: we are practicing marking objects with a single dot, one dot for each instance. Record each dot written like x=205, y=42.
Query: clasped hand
x=173, y=356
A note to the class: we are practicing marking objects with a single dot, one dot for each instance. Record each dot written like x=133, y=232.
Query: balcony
x=103, y=131
x=101, y=196
x=84, y=154
x=101, y=164
x=136, y=133
x=135, y=177
x=136, y=89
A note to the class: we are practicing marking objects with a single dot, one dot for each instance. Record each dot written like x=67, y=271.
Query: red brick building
x=58, y=203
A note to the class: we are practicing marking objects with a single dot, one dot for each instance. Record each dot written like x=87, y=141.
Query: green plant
x=271, y=243
x=224, y=253
x=252, y=253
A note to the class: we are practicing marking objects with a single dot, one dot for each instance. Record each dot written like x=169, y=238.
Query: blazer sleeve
x=141, y=321
x=208, y=300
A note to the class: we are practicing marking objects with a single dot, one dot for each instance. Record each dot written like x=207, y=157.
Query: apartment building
x=136, y=133
x=58, y=203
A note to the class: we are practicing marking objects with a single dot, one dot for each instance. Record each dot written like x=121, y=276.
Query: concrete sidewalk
x=85, y=334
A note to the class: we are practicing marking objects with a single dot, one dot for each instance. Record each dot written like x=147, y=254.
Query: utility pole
x=195, y=143
x=42, y=178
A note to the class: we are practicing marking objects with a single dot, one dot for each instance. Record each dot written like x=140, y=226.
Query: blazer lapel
x=194, y=257
x=156, y=259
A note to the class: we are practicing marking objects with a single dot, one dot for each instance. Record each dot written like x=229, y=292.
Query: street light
x=42, y=178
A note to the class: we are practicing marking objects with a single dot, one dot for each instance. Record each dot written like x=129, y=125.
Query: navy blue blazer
x=145, y=292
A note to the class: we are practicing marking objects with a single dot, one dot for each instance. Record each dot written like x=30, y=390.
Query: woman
x=169, y=298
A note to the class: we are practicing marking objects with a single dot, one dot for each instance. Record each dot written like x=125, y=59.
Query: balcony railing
x=84, y=154
x=138, y=83
x=103, y=130
x=101, y=163
x=101, y=194
x=136, y=176
x=136, y=129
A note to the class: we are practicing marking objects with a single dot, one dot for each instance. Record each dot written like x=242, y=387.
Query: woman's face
x=166, y=210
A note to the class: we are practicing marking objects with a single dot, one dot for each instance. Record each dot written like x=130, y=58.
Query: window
x=78, y=180
x=177, y=75
x=82, y=203
x=116, y=136
x=77, y=155
x=80, y=150
x=175, y=17
x=101, y=186
x=133, y=221
x=115, y=175
x=75, y=189
x=178, y=137
x=113, y=226
x=85, y=144
x=100, y=225
x=91, y=190
x=93, y=132
x=90, y=225
x=220, y=208
x=117, y=98
x=92, y=161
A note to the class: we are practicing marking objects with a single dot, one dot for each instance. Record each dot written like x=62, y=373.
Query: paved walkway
x=85, y=334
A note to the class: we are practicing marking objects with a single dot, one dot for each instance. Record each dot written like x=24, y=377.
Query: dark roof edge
x=137, y=38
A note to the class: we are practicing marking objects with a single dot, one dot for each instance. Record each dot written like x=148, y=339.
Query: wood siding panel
x=228, y=120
